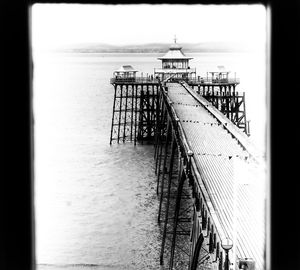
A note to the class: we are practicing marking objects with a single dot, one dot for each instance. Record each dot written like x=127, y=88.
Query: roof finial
x=175, y=38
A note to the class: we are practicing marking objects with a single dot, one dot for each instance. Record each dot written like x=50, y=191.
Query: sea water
x=95, y=204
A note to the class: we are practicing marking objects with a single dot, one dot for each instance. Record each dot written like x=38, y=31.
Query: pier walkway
x=210, y=178
x=230, y=170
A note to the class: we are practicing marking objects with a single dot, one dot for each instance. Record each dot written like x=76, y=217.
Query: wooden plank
x=239, y=135
x=216, y=179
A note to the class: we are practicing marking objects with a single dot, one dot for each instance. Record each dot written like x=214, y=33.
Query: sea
x=95, y=203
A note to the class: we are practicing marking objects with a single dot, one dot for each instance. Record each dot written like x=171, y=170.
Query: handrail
x=210, y=206
x=175, y=69
x=191, y=81
x=214, y=80
x=134, y=80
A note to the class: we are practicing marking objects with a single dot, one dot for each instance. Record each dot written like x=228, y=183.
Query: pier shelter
x=125, y=73
x=175, y=65
x=220, y=76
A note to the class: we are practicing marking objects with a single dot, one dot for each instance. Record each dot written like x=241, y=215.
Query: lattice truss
x=148, y=110
x=174, y=217
x=134, y=112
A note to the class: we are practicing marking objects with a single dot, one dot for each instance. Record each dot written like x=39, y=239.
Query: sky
x=57, y=25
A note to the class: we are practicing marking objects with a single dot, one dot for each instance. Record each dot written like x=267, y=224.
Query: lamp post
x=226, y=244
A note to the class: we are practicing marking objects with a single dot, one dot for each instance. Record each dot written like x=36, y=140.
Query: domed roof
x=174, y=53
x=175, y=46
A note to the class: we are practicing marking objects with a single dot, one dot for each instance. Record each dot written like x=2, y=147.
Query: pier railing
x=174, y=70
x=134, y=80
x=210, y=80
x=200, y=80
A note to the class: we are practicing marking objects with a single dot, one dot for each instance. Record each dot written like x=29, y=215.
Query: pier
x=210, y=178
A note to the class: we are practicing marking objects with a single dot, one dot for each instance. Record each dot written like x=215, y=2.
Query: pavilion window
x=166, y=64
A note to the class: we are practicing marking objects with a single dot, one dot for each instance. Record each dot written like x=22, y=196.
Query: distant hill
x=155, y=48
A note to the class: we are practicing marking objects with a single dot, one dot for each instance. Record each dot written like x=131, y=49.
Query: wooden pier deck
x=230, y=168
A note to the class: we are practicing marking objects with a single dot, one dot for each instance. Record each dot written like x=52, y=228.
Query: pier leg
x=159, y=113
x=227, y=105
x=159, y=165
x=195, y=255
x=177, y=208
x=246, y=130
x=160, y=154
x=163, y=175
x=168, y=200
x=113, y=116
x=125, y=113
x=141, y=122
x=159, y=136
x=153, y=111
x=132, y=108
x=135, y=114
x=148, y=120
x=120, y=111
